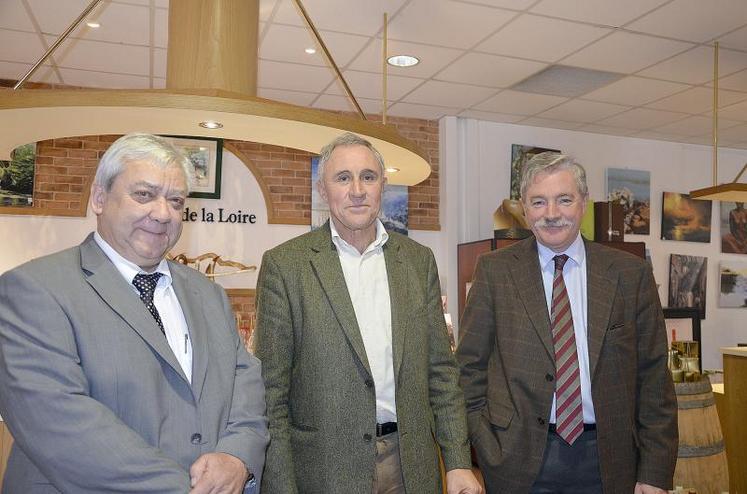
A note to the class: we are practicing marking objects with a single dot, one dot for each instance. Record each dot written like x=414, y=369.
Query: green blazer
x=320, y=392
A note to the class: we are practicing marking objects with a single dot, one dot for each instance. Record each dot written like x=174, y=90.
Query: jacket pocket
x=499, y=415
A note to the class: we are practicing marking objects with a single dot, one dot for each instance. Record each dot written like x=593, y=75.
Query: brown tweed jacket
x=507, y=369
x=320, y=393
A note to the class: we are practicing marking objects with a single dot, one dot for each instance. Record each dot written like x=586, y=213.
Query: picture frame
x=206, y=155
x=688, y=282
x=17, y=177
x=685, y=321
x=520, y=154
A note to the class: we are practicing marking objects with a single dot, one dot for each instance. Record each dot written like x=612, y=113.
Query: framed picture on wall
x=17, y=177
x=206, y=155
x=733, y=284
x=687, y=282
x=733, y=227
x=632, y=189
x=520, y=154
x=686, y=219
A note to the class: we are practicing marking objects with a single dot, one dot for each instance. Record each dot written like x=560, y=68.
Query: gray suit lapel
x=527, y=278
x=191, y=304
x=326, y=265
x=601, y=289
x=399, y=295
x=117, y=294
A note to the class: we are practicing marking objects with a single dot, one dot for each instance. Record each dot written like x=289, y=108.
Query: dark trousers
x=569, y=469
x=388, y=472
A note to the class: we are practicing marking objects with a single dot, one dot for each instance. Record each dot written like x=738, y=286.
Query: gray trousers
x=388, y=472
x=569, y=469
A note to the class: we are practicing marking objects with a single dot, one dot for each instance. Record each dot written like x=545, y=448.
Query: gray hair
x=140, y=147
x=346, y=139
x=549, y=162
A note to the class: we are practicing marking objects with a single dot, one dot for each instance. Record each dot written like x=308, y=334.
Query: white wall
x=475, y=171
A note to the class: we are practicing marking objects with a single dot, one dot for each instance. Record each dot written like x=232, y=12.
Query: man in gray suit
x=121, y=371
x=361, y=383
x=563, y=356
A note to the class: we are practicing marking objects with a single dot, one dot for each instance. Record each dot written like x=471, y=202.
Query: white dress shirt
x=574, y=276
x=368, y=286
x=165, y=300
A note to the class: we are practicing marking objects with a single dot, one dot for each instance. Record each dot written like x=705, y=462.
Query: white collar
x=127, y=268
x=381, y=237
x=576, y=251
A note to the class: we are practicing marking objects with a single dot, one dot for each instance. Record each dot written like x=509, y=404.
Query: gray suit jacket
x=93, y=394
x=320, y=392
x=507, y=369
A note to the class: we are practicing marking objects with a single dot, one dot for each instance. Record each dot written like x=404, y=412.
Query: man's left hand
x=647, y=489
x=217, y=473
x=462, y=481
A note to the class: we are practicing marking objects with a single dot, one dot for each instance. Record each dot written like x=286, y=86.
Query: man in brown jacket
x=563, y=356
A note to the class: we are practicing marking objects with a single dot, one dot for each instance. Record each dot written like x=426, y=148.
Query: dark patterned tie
x=146, y=285
x=568, y=412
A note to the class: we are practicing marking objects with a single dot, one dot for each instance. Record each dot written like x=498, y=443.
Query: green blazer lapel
x=527, y=277
x=191, y=304
x=117, y=294
x=399, y=295
x=601, y=287
x=326, y=265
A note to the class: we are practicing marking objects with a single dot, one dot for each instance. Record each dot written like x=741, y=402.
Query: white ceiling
x=472, y=52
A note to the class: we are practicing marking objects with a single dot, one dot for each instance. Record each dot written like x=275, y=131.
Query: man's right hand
x=217, y=473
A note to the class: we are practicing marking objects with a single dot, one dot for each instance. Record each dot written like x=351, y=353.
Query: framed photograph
x=394, y=212
x=733, y=228
x=733, y=282
x=206, y=155
x=632, y=189
x=687, y=282
x=520, y=154
x=17, y=177
x=683, y=218
x=683, y=324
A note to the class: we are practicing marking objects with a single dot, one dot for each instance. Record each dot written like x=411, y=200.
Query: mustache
x=552, y=223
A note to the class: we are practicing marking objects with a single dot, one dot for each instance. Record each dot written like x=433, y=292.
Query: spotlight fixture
x=93, y=24
x=402, y=60
x=310, y=50
x=211, y=124
x=391, y=169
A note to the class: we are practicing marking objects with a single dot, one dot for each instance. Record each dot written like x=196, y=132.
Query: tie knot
x=560, y=261
x=146, y=283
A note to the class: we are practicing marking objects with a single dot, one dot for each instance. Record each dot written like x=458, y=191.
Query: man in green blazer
x=361, y=383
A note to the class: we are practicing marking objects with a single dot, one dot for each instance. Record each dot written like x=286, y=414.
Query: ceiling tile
x=448, y=94
x=489, y=70
x=736, y=39
x=102, y=56
x=605, y=129
x=736, y=81
x=13, y=16
x=737, y=111
x=658, y=136
x=294, y=77
x=159, y=83
x=421, y=111
x=702, y=140
x=582, y=111
x=161, y=28
x=697, y=100
x=88, y=78
x=362, y=17
x=341, y=103
x=696, y=66
x=293, y=97
x=693, y=20
x=643, y=118
x=432, y=58
x=606, y=12
x=287, y=44
x=508, y=4
x=446, y=23
x=625, y=52
x=551, y=39
x=159, y=62
x=369, y=85
x=491, y=116
x=695, y=126
x=16, y=46
x=14, y=71
x=635, y=91
x=737, y=133
x=519, y=103
x=266, y=7
x=548, y=122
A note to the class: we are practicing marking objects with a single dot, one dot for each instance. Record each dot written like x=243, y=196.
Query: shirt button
x=369, y=383
x=548, y=377
x=540, y=421
x=367, y=437
x=196, y=438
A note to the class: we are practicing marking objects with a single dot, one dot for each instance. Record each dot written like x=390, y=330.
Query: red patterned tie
x=569, y=422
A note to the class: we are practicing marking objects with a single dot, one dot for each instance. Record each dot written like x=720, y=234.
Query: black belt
x=387, y=428
x=587, y=427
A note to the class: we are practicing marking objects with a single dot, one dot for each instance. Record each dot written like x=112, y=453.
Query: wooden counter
x=735, y=401
x=5, y=442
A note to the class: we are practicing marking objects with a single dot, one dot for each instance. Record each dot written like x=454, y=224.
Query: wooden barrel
x=701, y=459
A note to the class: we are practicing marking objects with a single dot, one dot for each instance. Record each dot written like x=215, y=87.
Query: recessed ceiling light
x=403, y=60
x=93, y=24
x=310, y=50
x=211, y=124
x=391, y=169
